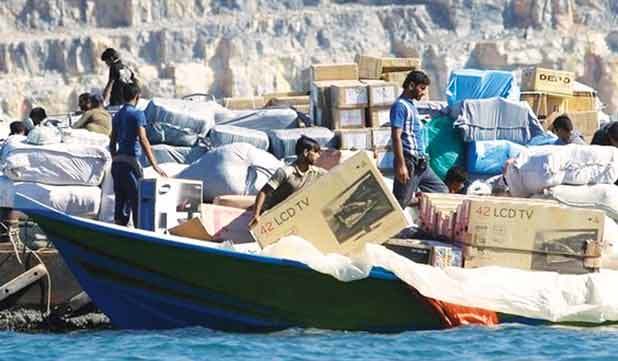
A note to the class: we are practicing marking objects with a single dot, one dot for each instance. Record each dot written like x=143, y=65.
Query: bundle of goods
x=444, y=145
x=598, y=196
x=179, y=122
x=542, y=167
x=496, y=118
x=519, y=233
x=283, y=141
x=237, y=169
x=83, y=136
x=227, y=134
x=261, y=119
x=71, y=199
x=481, y=84
x=488, y=157
x=56, y=164
x=164, y=153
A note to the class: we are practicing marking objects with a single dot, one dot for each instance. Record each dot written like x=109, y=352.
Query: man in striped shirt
x=412, y=170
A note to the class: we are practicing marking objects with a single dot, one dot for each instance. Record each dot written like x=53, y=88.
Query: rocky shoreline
x=29, y=320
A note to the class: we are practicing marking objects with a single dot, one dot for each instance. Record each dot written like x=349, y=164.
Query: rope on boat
x=13, y=235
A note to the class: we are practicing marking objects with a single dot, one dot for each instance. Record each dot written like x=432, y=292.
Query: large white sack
x=179, y=122
x=84, y=136
x=548, y=296
x=73, y=200
x=227, y=134
x=43, y=135
x=236, y=169
x=598, y=196
x=56, y=164
x=283, y=141
x=538, y=168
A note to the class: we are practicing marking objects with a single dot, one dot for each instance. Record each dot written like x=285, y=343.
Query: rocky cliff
x=49, y=49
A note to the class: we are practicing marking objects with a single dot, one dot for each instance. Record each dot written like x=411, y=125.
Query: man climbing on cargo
x=290, y=178
x=128, y=133
x=412, y=171
x=566, y=133
x=456, y=180
x=120, y=77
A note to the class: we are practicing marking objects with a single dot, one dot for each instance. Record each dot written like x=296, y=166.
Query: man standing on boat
x=127, y=130
x=290, y=178
x=120, y=77
x=411, y=166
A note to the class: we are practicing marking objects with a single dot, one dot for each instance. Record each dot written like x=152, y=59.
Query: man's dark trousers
x=420, y=179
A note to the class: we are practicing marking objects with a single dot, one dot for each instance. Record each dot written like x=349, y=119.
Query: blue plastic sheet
x=489, y=156
x=480, y=84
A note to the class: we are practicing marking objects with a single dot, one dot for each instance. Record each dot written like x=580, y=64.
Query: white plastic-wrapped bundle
x=227, y=134
x=236, y=169
x=538, y=168
x=283, y=141
x=73, y=200
x=260, y=119
x=56, y=164
x=598, y=196
x=83, y=136
x=179, y=122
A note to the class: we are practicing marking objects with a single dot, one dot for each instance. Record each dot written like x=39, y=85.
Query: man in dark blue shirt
x=128, y=133
x=411, y=164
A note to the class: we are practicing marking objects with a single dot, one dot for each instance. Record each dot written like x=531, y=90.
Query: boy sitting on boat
x=290, y=178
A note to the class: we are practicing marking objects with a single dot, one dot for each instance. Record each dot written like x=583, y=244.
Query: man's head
x=96, y=100
x=612, y=134
x=456, y=178
x=83, y=101
x=37, y=115
x=131, y=93
x=110, y=56
x=17, y=128
x=563, y=127
x=307, y=149
x=415, y=85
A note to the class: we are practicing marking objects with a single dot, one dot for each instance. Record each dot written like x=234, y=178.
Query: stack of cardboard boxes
x=515, y=232
x=551, y=93
x=354, y=100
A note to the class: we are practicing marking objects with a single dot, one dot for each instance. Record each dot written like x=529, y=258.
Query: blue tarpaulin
x=480, y=84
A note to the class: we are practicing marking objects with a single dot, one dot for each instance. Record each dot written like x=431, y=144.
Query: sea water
x=506, y=342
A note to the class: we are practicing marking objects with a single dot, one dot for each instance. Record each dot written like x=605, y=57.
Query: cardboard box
x=372, y=67
x=381, y=93
x=396, y=78
x=349, y=94
x=586, y=123
x=217, y=223
x=532, y=236
x=339, y=212
x=555, y=82
x=358, y=139
x=582, y=102
x=434, y=253
x=381, y=138
x=320, y=110
x=244, y=103
x=378, y=116
x=324, y=72
x=347, y=118
x=543, y=104
x=288, y=100
x=330, y=158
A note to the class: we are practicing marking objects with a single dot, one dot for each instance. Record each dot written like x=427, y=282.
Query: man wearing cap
x=96, y=119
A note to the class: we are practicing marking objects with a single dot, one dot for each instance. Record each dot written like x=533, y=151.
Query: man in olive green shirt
x=96, y=119
x=290, y=178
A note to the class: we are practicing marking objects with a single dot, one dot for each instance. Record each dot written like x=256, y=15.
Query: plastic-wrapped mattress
x=227, y=134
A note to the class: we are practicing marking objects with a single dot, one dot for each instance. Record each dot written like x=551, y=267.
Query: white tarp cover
x=73, y=200
x=598, y=196
x=541, y=167
x=549, y=296
x=56, y=164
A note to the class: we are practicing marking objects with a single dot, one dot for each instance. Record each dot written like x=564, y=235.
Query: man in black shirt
x=606, y=135
x=119, y=77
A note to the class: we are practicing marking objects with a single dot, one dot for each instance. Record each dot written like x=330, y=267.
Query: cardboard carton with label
x=339, y=212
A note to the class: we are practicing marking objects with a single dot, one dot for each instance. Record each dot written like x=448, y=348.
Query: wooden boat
x=146, y=280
